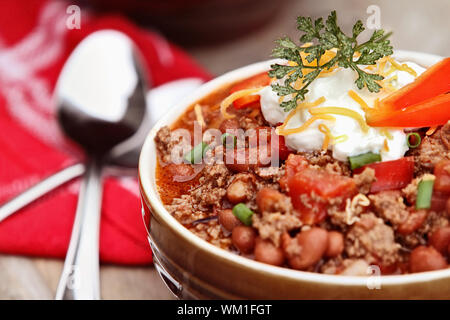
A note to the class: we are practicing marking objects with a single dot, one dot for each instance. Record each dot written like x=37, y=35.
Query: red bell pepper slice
x=250, y=101
x=432, y=112
x=422, y=103
x=391, y=175
x=433, y=82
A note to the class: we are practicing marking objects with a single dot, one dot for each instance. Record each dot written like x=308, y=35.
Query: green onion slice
x=243, y=213
x=197, y=153
x=424, y=193
x=229, y=140
x=416, y=140
x=363, y=159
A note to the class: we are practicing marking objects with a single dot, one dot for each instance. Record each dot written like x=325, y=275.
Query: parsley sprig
x=325, y=37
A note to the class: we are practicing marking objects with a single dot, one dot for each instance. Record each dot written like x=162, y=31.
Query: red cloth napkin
x=34, y=43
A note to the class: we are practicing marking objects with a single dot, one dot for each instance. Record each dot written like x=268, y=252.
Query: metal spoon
x=101, y=103
x=124, y=156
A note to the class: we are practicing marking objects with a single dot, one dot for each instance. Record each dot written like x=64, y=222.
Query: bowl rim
x=150, y=193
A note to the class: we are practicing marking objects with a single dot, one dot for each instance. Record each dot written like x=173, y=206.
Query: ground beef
x=344, y=217
x=272, y=174
x=445, y=135
x=247, y=123
x=277, y=219
x=165, y=144
x=212, y=232
x=410, y=191
x=354, y=267
x=273, y=225
x=212, y=188
x=433, y=149
x=325, y=160
x=364, y=180
x=348, y=267
x=371, y=239
x=186, y=210
x=390, y=206
x=216, y=175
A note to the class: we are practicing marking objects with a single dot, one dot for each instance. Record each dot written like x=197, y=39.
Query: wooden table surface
x=418, y=25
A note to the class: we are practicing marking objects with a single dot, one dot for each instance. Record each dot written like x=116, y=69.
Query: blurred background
x=223, y=35
x=220, y=35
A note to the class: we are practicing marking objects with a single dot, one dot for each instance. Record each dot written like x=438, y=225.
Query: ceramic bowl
x=194, y=268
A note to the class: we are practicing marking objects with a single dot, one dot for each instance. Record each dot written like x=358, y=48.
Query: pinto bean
x=237, y=191
x=413, y=222
x=267, y=198
x=244, y=159
x=241, y=188
x=426, y=259
x=243, y=238
x=440, y=239
x=265, y=251
x=181, y=170
x=306, y=249
x=335, y=244
x=228, y=220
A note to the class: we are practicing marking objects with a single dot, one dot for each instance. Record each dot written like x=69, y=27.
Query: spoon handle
x=80, y=275
x=39, y=189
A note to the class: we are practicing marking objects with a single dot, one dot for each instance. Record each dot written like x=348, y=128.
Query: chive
x=226, y=137
x=424, y=193
x=196, y=154
x=416, y=137
x=243, y=213
x=363, y=159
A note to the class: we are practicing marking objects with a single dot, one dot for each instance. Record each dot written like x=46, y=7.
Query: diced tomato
x=442, y=173
x=294, y=164
x=312, y=213
x=250, y=101
x=322, y=183
x=301, y=180
x=391, y=175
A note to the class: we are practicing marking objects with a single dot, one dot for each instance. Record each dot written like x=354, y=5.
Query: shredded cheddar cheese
x=299, y=107
x=385, y=132
x=326, y=131
x=231, y=98
x=403, y=67
x=359, y=100
x=304, y=126
x=341, y=111
x=386, y=145
x=431, y=131
x=351, y=208
x=329, y=138
x=199, y=115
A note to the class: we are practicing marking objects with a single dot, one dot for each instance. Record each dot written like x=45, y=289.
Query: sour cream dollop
x=335, y=89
